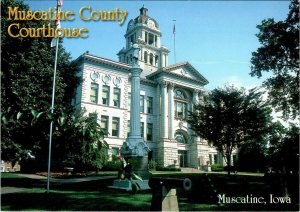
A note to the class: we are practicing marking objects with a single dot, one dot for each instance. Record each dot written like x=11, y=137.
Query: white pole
x=52, y=110
x=174, y=32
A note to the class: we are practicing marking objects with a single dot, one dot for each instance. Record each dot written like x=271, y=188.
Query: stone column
x=164, y=113
x=134, y=149
x=195, y=98
x=196, y=102
x=158, y=112
x=171, y=111
x=135, y=120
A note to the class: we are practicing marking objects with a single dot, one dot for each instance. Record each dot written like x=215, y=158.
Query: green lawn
x=9, y=175
x=95, y=196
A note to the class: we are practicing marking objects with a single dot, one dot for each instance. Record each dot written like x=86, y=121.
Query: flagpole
x=59, y=4
x=174, y=32
x=52, y=110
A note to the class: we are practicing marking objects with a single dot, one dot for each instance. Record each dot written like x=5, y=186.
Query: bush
x=152, y=165
x=168, y=168
x=217, y=167
x=112, y=166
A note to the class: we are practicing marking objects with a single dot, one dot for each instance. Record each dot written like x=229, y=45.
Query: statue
x=136, y=50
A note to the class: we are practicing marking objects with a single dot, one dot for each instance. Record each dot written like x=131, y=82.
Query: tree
x=229, y=118
x=279, y=54
x=283, y=150
x=80, y=142
x=27, y=72
x=252, y=156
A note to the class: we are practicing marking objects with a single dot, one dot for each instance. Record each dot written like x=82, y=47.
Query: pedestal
x=135, y=152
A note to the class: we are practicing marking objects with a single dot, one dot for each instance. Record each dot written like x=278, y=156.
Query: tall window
x=150, y=39
x=128, y=128
x=142, y=129
x=94, y=92
x=116, y=97
x=180, y=109
x=149, y=105
x=142, y=104
x=104, y=122
x=151, y=59
x=180, y=104
x=129, y=101
x=146, y=37
x=145, y=57
x=156, y=60
x=105, y=95
x=149, y=131
x=115, y=126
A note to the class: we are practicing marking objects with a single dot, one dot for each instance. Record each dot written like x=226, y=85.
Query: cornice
x=101, y=60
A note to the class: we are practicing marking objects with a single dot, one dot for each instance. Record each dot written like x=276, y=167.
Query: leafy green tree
x=284, y=148
x=26, y=89
x=279, y=54
x=229, y=118
x=27, y=72
x=80, y=142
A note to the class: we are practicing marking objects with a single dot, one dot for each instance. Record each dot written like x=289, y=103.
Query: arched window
x=145, y=57
x=181, y=136
x=181, y=104
x=151, y=59
x=156, y=60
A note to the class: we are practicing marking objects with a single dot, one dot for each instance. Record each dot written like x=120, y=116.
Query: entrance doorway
x=182, y=158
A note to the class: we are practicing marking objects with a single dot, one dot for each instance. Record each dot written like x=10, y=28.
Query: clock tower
x=144, y=31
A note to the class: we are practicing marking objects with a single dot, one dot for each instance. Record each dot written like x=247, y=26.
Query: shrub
x=152, y=165
x=168, y=168
x=112, y=166
x=217, y=167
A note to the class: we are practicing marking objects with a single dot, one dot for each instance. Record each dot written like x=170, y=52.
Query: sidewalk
x=8, y=190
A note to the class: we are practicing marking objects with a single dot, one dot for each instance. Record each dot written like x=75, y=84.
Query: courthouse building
x=167, y=93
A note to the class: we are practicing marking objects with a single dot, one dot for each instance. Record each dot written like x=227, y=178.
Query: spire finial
x=143, y=10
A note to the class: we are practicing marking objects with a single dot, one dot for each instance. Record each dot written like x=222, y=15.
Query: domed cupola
x=143, y=20
x=144, y=31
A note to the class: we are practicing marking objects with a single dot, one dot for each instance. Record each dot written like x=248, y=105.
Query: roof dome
x=143, y=19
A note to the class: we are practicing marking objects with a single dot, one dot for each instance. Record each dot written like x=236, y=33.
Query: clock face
x=151, y=23
x=94, y=76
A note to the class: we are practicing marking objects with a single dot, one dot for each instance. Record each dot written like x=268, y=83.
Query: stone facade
x=167, y=92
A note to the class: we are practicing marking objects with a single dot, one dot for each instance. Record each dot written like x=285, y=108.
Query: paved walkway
x=8, y=190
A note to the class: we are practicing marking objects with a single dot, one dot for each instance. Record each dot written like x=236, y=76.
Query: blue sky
x=216, y=37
